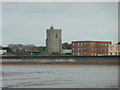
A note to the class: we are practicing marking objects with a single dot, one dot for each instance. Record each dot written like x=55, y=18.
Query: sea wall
x=89, y=60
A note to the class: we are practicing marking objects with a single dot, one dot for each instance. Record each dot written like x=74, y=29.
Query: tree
x=41, y=48
x=55, y=53
x=66, y=46
x=8, y=49
x=118, y=43
x=67, y=54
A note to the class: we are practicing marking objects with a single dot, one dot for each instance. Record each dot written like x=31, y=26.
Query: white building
x=66, y=51
x=2, y=51
x=114, y=50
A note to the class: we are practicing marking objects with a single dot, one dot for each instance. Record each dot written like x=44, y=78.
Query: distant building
x=53, y=40
x=7, y=54
x=34, y=51
x=114, y=50
x=90, y=48
x=2, y=51
x=66, y=51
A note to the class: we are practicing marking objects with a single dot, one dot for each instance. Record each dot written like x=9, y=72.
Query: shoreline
x=61, y=60
x=60, y=65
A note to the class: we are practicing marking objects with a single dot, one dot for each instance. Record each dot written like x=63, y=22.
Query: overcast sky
x=26, y=23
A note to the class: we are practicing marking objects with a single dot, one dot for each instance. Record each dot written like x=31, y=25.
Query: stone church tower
x=53, y=40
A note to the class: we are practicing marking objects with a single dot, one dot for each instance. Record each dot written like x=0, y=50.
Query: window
x=92, y=44
x=56, y=35
x=73, y=49
x=78, y=54
x=103, y=44
x=98, y=44
x=84, y=53
x=78, y=44
x=78, y=48
x=92, y=49
x=81, y=44
x=103, y=49
x=84, y=43
x=106, y=44
x=110, y=48
x=81, y=54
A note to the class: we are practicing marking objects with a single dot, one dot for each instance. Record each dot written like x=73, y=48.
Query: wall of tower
x=53, y=40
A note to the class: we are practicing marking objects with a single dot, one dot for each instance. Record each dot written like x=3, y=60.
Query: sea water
x=56, y=76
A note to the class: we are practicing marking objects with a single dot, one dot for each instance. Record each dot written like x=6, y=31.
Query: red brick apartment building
x=90, y=48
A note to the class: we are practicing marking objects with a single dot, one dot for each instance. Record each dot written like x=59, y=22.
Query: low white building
x=66, y=51
x=2, y=51
x=114, y=50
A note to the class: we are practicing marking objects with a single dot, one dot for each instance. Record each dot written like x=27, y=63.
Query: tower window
x=56, y=36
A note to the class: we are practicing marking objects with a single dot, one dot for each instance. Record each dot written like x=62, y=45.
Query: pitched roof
x=34, y=49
